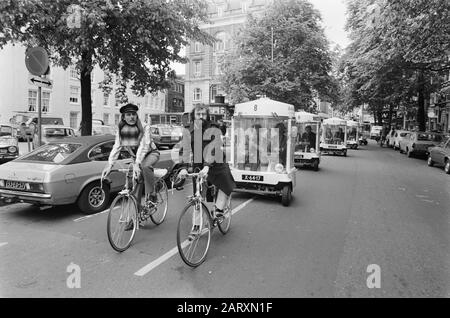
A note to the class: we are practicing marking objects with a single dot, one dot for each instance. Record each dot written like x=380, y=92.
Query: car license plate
x=15, y=185
x=246, y=177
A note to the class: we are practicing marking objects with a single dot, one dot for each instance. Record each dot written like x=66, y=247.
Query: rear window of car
x=57, y=132
x=54, y=153
x=5, y=130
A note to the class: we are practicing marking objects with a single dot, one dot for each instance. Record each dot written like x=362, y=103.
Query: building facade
x=175, y=96
x=19, y=97
x=203, y=71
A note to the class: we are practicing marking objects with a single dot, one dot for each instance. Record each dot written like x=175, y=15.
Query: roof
x=303, y=116
x=87, y=140
x=352, y=123
x=264, y=107
x=335, y=121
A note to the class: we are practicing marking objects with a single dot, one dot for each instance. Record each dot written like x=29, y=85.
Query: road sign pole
x=39, y=116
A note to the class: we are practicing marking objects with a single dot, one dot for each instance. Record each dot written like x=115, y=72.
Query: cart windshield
x=261, y=143
x=352, y=133
x=334, y=134
x=307, y=136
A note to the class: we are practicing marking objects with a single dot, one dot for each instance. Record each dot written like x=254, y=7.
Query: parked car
x=51, y=133
x=390, y=138
x=63, y=172
x=399, y=136
x=440, y=155
x=166, y=135
x=419, y=142
x=9, y=145
x=103, y=130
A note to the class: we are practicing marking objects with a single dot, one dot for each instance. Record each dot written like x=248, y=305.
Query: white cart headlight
x=279, y=168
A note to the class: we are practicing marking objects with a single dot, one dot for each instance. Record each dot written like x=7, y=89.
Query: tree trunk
x=391, y=107
x=421, y=120
x=86, y=99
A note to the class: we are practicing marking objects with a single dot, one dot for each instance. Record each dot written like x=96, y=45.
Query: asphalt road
x=374, y=207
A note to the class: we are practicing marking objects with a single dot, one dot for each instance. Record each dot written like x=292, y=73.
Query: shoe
x=129, y=226
x=194, y=232
x=218, y=214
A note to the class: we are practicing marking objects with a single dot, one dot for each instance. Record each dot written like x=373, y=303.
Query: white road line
x=92, y=215
x=151, y=266
x=3, y=244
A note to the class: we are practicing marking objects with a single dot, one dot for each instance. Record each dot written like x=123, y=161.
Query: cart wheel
x=316, y=165
x=286, y=195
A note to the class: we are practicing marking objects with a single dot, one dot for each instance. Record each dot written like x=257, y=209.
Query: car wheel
x=447, y=166
x=286, y=195
x=408, y=153
x=93, y=199
x=430, y=162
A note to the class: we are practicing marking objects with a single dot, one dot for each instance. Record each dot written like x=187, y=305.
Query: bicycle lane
x=40, y=250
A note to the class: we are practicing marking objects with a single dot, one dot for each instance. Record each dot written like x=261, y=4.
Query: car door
x=440, y=151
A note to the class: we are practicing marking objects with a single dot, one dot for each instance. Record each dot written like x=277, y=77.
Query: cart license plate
x=246, y=177
x=15, y=185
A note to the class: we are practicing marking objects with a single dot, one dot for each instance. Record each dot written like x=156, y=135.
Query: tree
x=301, y=61
x=397, y=47
x=133, y=39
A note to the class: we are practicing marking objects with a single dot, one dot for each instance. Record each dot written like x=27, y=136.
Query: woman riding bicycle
x=217, y=171
x=135, y=139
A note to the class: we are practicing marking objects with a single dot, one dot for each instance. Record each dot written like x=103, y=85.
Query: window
x=116, y=119
x=213, y=92
x=32, y=100
x=73, y=120
x=73, y=73
x=106, y=118
x=197, y=68
x=74, y=94
x=197, y=94
x=197, y=47
x=52, y=152
x=105, y=99
x=244, y=7
x=101, y=152
x=220, y=44
x=45, y=102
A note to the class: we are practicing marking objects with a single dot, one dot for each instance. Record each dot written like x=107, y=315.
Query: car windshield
x=403, y=134
x=333, y=134
x=429, y=137
x=54, y=153
x=261, y=143
x=306, y=136
x=56, y=132
x=5, y=131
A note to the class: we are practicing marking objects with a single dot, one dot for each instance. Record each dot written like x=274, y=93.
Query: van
x=375, y=132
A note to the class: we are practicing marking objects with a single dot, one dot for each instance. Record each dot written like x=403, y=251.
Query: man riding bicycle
x=217, y=170
x=135, y=139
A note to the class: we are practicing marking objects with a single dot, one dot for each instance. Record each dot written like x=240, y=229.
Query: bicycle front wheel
x=162, y=196
x=225, y=221
x=122, y=222
x=193, y=243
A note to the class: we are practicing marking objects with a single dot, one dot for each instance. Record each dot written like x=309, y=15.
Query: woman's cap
x=128, y=108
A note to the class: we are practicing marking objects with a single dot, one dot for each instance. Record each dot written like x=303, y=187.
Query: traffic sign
x=40, y=81
x=36, y=60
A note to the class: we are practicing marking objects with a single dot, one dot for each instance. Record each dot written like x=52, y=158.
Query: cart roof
x=264, y=107
x=352, y=123
x=335, y=121
x=303, y=117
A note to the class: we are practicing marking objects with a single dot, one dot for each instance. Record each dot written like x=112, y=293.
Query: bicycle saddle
x=159, y=173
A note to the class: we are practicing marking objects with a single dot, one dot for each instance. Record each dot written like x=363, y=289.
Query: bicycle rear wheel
x=225, y=221
x=122, y=222
x=162, y=196
x=193, y=248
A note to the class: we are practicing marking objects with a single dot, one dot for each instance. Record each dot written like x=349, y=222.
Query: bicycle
x=124, y=215
x=193, y=247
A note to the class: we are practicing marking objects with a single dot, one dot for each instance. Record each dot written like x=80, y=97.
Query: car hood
x=26, y=171
x=8, y=141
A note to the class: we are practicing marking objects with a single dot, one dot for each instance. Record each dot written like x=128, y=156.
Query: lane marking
x=3, y=244
x=92, y=215
x=151, y=266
